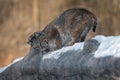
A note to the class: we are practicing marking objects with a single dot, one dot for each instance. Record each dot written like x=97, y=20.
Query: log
x=77, y=62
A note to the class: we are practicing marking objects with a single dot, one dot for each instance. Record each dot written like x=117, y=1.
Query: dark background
x=20, y=18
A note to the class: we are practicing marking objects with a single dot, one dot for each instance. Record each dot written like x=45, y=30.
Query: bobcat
x=70, y=27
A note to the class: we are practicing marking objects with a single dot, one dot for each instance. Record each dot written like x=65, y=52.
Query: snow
x=14, y=61
x=18, y=59
x=109, y=46
x=56, y=54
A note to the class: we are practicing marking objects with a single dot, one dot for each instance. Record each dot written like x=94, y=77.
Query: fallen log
x=82, y=61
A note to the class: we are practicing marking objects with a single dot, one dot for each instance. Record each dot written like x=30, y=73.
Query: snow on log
x=94, y=59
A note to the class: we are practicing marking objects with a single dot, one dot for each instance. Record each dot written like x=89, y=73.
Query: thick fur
x=70, y=27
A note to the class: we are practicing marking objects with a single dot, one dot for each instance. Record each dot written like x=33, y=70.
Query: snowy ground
x=109, y=46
